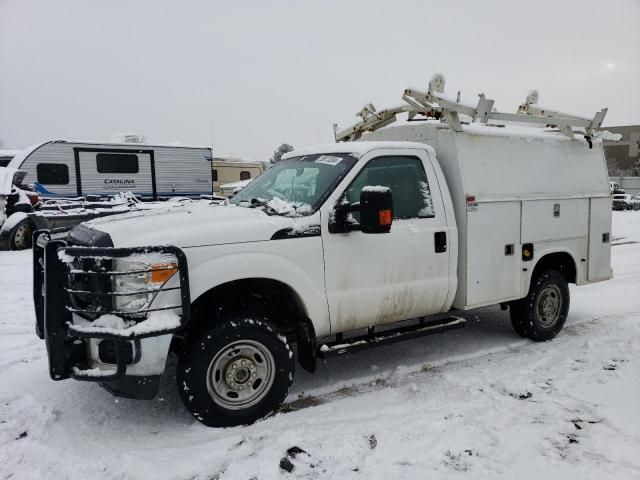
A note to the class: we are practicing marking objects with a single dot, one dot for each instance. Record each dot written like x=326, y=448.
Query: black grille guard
x=51, y=291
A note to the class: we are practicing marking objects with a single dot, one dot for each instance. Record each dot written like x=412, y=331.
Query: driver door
x=374, y=279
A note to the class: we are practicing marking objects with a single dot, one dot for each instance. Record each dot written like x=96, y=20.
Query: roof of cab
x=357, y=149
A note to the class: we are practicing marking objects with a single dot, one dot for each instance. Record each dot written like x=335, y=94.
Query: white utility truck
x=335, y=249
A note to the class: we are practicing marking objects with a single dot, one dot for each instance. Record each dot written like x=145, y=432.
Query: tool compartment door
x=599, y=240
x=493, y=252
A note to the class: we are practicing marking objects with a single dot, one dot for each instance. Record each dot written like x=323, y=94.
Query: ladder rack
x=433, y=104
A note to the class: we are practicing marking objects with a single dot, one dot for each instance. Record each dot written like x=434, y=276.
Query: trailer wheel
x=235, y=372
x=542, y=313
x=20, y=236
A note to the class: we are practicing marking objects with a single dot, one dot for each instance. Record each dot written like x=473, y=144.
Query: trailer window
x=117, y=163
x=214, y=175
x=406, y=178
x=245, y=175
x=52, y=173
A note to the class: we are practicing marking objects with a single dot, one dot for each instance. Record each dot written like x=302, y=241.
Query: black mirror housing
x=376, y=209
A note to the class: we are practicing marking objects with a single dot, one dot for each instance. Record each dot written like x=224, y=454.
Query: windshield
x=298, y=185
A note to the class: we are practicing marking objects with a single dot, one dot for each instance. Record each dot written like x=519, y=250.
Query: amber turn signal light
x=161, y=272
x=384, y=217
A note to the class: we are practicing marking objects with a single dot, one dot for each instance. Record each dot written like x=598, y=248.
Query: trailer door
x=109, y=171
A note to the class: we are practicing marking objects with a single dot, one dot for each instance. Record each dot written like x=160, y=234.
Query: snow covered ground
x=474, y=403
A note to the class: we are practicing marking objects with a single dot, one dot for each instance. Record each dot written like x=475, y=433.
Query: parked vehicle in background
x=335, y=248
x=614, y=188
x=230, y=189
x=229, y=169
x=61, y=168
x=22, y=212
x=625, y=202
x=16, y=201
x=627, y=184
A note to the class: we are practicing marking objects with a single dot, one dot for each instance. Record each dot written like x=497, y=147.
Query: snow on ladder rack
x=434, y=104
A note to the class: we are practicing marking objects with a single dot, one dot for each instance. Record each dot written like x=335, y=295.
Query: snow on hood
x=194, y=225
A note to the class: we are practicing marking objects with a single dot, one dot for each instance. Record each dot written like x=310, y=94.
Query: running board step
x=373, y=339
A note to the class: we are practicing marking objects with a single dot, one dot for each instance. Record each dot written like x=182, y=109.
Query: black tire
x=542, y=313
x=206, y=382
x=20, y=235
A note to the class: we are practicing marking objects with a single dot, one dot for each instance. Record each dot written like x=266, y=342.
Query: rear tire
x=234, y=372
x=543, y=312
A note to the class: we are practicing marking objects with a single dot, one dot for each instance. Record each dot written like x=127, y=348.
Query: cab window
x=406, y=178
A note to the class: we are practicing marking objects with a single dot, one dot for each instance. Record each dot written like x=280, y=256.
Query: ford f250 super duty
x=334, y=249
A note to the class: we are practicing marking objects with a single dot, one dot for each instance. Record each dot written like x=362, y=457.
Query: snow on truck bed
x=475, y=403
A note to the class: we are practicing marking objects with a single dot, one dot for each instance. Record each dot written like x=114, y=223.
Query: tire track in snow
x=569, y=332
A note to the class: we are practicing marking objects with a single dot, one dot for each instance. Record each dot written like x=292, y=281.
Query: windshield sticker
x=328, y=159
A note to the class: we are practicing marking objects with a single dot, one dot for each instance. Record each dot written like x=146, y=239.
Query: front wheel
x=234, y=372
x=542, y=313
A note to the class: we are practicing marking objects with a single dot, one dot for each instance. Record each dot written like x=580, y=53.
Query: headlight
x=138, y=279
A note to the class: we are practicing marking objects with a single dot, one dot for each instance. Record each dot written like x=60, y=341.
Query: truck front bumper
x=127, y=362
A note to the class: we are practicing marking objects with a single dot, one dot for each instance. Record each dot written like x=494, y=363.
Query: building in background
x=622, y=156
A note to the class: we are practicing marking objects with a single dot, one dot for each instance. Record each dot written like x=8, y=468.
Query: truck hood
x=197, y=225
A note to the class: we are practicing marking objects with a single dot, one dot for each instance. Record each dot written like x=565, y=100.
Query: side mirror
x=376, y=209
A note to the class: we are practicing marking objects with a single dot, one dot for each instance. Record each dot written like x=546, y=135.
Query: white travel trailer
x=61, y=168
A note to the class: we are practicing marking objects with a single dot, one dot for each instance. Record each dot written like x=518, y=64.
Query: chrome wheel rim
x=240, y=375
x=549, y=305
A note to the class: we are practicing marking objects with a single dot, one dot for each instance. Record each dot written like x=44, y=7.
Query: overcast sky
x=259, y=73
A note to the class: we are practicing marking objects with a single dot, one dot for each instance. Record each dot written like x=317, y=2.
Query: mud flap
x=307, y=346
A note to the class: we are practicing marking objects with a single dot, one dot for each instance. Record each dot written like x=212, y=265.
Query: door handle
x=440, y=242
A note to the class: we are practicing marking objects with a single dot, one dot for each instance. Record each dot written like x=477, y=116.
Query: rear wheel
x=542, y=313
x=20, y=236
x=235, y=372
